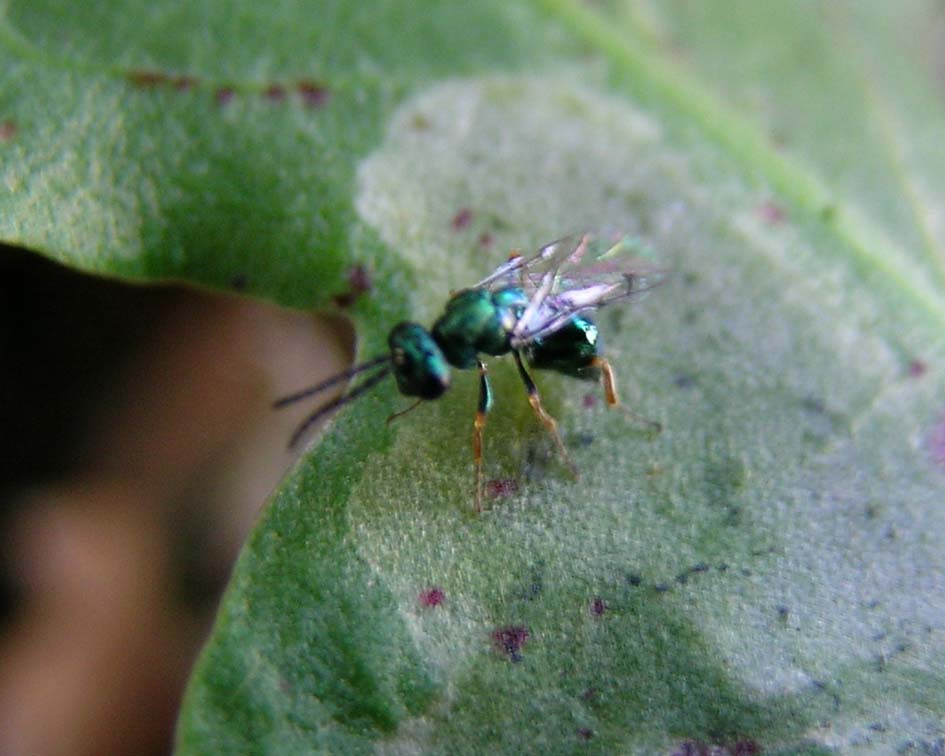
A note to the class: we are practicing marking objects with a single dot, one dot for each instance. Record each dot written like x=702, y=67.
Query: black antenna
x=334, y=380
x=339, y=401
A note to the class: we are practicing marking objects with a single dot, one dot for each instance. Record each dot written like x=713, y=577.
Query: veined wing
x=527, y=271
x=572, y=261
x=572, y=275
x=553, y=311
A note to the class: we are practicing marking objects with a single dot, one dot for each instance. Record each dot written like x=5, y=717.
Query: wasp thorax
x=477, y=321
x=418, y=363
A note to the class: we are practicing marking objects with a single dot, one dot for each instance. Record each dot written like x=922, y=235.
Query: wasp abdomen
x=571, y=350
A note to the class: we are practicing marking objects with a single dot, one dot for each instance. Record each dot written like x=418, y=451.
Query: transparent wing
x=527, y=271
x=572, y=275
x=574, y=261
x=555, y=310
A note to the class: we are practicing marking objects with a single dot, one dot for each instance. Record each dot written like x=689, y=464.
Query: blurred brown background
x=138, y=446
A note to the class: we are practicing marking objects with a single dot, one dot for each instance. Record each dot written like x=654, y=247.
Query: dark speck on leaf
x=146, y=79
x=275, y=93
x=462, y=219
x=313, y=94
x=589, y=694
x=634, y=580
x=360, y=278
x=359, y=281
x=432, y=597
x=510, y=640
x=223, y=96
x=7, y=130
x=485, y=239
x=239, y=282
x=917, y=368
x=684, y=381
x=746, y=748
x=344, y=300
x=589, y=401
x=499, y=488
x=585, y=733
x=683, y=577
x=598, y=606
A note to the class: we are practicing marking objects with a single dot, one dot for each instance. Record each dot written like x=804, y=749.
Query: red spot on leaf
x=485, y=239
x=598, y=606
x=771, y=213
x=274, y=93
x=224, y=96
x=510, y=640
x=590, y=401
x=432, y=597
x=313, y=93
x=359, y=281
x=585, y=733
x=746, y=748
x=918, y=368
x=7, y=130
x=462, y=219
x=501, y=487
x=147, y=79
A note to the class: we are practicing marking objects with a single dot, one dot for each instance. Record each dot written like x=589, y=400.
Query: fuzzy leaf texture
x=765, y=575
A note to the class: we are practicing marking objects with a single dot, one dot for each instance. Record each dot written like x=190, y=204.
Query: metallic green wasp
x=534, y=307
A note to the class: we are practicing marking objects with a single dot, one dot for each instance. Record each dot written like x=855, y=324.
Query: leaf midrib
x=746, y=145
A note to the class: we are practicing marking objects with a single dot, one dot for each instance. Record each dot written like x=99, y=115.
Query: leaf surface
x=766, y=573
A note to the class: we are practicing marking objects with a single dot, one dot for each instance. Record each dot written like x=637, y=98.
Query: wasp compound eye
x=419, y=365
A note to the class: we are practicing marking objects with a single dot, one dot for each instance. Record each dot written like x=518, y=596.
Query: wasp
x=537, y=308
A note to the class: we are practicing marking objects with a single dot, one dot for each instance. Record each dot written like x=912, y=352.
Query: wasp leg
x=547, y=420
x=609, y=380
x=482, y=411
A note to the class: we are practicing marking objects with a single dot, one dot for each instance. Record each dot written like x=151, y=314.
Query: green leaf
x=768, y=572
